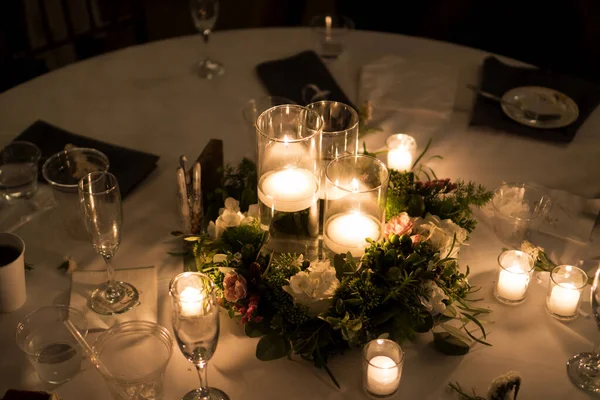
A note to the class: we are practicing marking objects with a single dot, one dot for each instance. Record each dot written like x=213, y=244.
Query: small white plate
x=540, y=100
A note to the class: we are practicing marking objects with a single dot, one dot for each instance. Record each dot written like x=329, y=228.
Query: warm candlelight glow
x=288, y=189
x=512, y=283
x=191, y=300
x=564, y=300
x=347, y=232
x=401, y=152
x=383, y=376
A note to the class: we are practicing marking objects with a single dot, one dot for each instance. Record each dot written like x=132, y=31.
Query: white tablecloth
x=146, y=97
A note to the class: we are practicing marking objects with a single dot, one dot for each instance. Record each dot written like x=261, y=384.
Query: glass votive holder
x=565, y=291
x=515, y=269
x=402, y=152
x=382, y=368
x=518, y=210
x=289, y=152
x=331, y=31
x=355, y=195
x=19, y=170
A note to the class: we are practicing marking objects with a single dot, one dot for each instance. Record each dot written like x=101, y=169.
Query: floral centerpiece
x=408, y=282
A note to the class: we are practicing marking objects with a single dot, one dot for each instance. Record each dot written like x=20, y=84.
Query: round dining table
x=147, y=98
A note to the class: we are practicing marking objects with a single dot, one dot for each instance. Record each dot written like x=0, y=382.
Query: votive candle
x=515, y=270
x=382, y=367
x=565, y=291
x=401, y=152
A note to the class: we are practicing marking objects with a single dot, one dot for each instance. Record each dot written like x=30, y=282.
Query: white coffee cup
x=12, y=272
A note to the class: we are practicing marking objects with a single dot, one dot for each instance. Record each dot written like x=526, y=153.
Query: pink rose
x=234, y=287
x=416, y=238
x=401, y=224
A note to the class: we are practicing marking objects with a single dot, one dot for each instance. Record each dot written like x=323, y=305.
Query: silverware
x=527, y=113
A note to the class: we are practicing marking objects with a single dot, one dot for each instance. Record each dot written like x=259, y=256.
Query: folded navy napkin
x=302, y=78
x=129, y=166
x=497, y=78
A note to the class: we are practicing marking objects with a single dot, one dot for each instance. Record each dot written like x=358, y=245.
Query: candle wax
x=400, y=159
x=347, y=232
x=383, y=376
x=191, y=302
x=564, y=300
x=512, y=283
x=288, y=189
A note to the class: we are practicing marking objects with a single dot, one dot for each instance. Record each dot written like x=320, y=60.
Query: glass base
x=583, y=370
x=214, y=394
x=101, y=304
x=207, y=69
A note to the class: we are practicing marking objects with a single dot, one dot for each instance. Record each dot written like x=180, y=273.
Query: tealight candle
x=401, y=152
x=382, y=367
x=191, y=302
x=288, y=189
x=565, y=290
x=347, y=232
x=515, y=272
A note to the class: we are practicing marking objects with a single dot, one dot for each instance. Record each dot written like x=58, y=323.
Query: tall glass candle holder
x=515, y=269
x=340, y=138
x=382, y=368
x=402, y=152
x=289, y=153
x=355, y=194
x=565, y=291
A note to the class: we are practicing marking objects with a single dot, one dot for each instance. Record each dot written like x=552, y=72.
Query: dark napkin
x=288, y=77
x=129, y=166
x=497, y=78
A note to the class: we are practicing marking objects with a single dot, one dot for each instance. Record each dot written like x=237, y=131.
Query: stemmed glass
x=196, y=327
x=584, y=368
x=103, y=215
x=205, y=13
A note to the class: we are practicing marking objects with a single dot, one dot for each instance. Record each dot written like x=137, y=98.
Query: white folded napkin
x=408, y=94
x=144, y=279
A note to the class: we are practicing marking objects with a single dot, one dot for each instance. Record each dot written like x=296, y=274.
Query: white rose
x=435, y=304
x=440, y=233
x=314, y=288
x=219, y=258
x=232, y=204
x=531, y=249
x=229, y=217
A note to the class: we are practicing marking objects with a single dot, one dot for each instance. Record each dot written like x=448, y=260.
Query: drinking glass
x=330, y=31
x=103, y=216
x=584, y=368
x=48, y=344
x=205, y=13
x=19, y=170
x=196, y=327
x=136, y=354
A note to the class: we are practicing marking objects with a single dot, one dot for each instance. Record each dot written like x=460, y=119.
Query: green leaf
x=189, y=262
x=256, y=329
x=354, y=302
x=422, y=153
x=177, y=233
x=426, y=325
x=450, y=345
x=474, y=338
x=339, y=306
x=272, y=346
x=474, y=320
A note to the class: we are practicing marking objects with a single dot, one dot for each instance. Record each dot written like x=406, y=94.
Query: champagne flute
x=584, y=368
x=196, y=327
x=205, y=13
x=103, y=215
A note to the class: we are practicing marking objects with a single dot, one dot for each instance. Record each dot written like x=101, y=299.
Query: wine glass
x=103, y=215
x=196, y=327
x=584, y=368
x=205, y=13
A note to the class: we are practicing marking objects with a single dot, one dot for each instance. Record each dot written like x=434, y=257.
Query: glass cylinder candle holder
x=565, y=291
x=402, y=152
x=355, y=195
x=340, y=138
x=515, y=269
x=382, y=368
x=289, y=154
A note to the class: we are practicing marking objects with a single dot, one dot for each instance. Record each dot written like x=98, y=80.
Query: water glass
x=48, y=344
x=518, y=211
x=331, y=31
x=382, y=368
x=63, y=171
x=136, y=354
x=19, y=170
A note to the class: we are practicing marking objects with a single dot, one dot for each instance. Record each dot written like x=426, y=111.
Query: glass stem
x=202, y=375
x=206, y=36
x=113, y=292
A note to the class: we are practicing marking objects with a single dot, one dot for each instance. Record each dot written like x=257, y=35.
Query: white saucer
x=540, y=100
